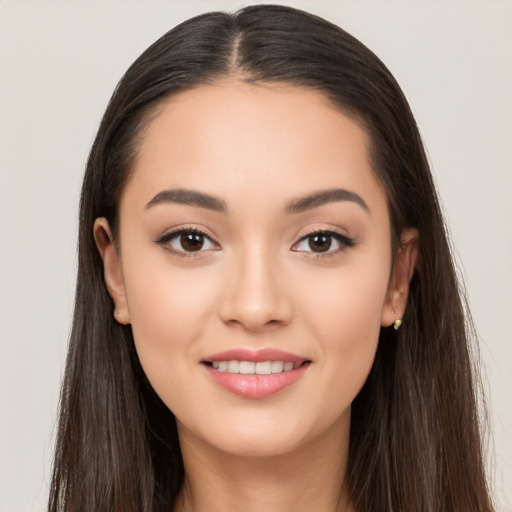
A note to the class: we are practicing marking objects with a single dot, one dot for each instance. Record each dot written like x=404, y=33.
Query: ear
x=112, y=269
x=403, y=269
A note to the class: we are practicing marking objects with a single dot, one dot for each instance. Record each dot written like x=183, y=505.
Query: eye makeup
x=318, y=243
x=187, y=242
x=323, y=243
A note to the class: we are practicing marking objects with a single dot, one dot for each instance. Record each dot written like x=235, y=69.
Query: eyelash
x=168, y=237
x=344, y=241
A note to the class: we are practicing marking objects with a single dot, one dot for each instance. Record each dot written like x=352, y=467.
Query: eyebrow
x=202, y=200
x=323, y=197
x=190, y=198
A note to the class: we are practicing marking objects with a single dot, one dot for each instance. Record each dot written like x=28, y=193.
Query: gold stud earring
x=398, y=321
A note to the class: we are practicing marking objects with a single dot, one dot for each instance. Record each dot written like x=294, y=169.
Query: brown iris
x=192, y=242
x=320, y=242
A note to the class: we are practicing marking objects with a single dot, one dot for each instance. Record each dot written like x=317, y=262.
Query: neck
x=308, y=478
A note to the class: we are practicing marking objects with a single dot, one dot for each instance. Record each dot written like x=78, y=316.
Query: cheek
x=161, y=298
x=169, y=309
x=343, y=309
x=347, y=299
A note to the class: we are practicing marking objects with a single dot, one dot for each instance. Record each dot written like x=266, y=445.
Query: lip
x=255, y=356
x=252, y=385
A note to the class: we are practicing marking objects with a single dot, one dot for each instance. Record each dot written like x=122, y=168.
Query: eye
x=323, y=242
x=187, y=241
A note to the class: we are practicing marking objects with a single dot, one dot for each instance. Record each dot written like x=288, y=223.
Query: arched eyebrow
x=323, y=197
x=190, y=198
x=202, y=200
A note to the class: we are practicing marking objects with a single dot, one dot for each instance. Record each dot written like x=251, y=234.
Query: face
x=254, y=264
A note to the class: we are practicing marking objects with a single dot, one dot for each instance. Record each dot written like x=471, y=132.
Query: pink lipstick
x=255, y=373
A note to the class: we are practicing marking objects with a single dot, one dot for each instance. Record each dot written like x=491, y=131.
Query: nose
x=254, y=297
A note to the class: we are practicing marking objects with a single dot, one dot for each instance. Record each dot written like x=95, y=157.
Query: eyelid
x=164, y=240
x=345, y=242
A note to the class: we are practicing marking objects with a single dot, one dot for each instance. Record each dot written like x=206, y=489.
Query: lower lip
x=256, y=386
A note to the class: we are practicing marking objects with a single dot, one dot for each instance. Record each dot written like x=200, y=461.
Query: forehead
x=231, y=137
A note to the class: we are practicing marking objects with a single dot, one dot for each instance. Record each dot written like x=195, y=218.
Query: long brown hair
x=415, y=443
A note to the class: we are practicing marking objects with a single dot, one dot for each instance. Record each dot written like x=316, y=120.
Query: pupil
x=192, y=241
x=320, y=243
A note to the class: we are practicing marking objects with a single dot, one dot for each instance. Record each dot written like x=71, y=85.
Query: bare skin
x=253, y=220
x=267, y=483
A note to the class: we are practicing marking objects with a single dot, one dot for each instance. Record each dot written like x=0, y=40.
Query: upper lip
x=256, y=356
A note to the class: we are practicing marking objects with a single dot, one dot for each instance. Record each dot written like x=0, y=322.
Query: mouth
x=255, y=373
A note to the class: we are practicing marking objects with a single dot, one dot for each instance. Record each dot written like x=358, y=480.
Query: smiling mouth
x=255, y=374
x=255, y=368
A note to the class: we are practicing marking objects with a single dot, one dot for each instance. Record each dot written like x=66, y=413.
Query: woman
x=267, y=315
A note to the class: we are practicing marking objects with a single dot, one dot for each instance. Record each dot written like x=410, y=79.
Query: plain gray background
x=59, y=62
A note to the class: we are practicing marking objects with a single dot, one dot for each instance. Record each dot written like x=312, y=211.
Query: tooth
x=233, y=367
x=263, y=368
x=246, y=367
x=277, y=366
x=249, y=367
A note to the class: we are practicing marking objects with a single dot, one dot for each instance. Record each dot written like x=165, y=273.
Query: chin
x=258, y=444
x=267, y=436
